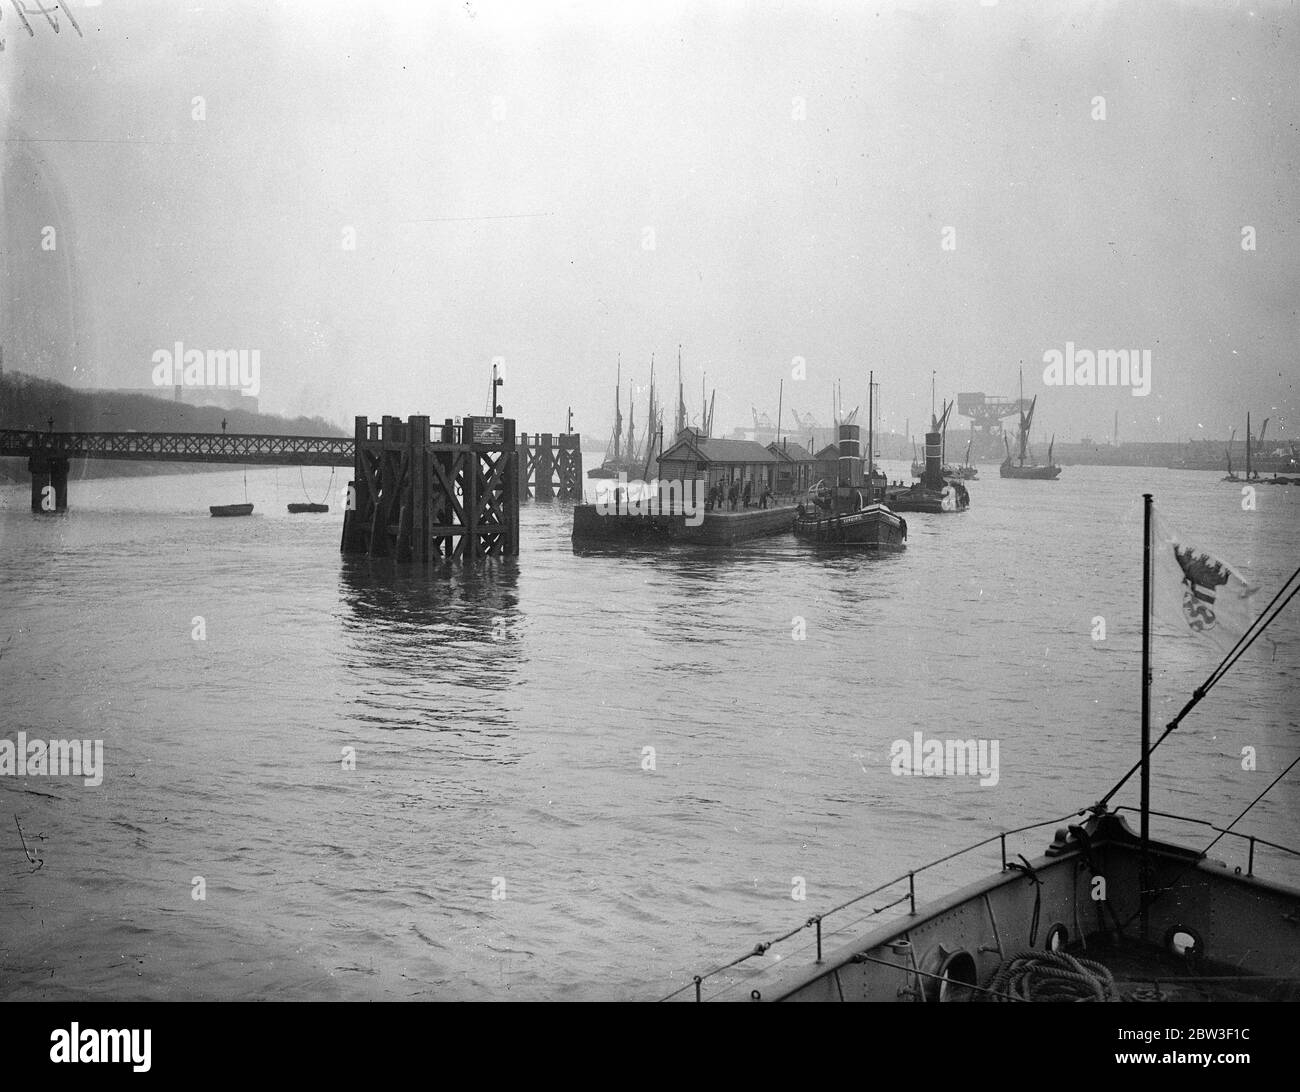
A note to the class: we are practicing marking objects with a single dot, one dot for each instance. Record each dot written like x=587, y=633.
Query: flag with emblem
x=1197, y=592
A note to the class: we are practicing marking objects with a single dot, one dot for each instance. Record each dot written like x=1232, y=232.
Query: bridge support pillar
x=49, y=483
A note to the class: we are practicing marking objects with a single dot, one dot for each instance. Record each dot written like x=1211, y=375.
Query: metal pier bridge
x=419, y=490
x=181, y=447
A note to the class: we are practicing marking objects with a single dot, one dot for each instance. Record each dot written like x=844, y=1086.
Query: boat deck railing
x=909, y=896
x=1252, y=840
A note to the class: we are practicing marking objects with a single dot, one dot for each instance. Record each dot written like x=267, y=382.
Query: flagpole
x=1144, y=886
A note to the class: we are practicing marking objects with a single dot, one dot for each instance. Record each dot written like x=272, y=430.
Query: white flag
x=1196, y=592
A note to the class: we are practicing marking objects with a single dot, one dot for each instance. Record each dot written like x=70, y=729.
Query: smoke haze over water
x=797, y=165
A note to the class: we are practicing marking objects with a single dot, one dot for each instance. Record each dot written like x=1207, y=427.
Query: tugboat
x=841, y=516
x=851, y=512
x=934, y=492
x=1020, y=469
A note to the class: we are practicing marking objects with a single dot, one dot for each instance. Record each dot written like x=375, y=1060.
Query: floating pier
x=593, y=525
x=421, y=492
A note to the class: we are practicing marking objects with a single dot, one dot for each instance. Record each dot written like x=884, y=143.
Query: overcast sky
x=506, y=166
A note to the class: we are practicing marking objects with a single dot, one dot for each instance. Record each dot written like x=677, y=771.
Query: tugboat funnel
x=933, y=476
x=850, y=458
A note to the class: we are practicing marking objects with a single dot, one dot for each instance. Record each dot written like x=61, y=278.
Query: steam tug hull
x=874, y=527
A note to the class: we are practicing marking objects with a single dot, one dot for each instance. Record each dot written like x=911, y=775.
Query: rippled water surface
x=500, y=718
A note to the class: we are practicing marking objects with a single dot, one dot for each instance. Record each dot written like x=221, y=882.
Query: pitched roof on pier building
x=718, y=452
x=791, y=453
x=828, y=462
x=695, y=456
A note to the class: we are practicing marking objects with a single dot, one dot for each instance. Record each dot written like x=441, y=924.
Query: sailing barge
x=619, y=459
x=1019, y=468
x=626, y=457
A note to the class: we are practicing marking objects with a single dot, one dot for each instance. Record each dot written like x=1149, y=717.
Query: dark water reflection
x=447, y=623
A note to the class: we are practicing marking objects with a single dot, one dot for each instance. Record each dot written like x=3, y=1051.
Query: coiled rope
x=1051, y=976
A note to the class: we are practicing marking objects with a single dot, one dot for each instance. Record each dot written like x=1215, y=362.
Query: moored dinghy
x=309, y=505
x=245, y=509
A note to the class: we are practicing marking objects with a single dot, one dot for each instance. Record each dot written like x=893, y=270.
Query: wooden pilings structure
x=550, y=467
x=420, y=492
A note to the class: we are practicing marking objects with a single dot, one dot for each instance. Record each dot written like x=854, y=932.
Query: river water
x=501, y=835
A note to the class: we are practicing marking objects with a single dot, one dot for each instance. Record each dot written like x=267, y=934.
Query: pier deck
x=719, y=528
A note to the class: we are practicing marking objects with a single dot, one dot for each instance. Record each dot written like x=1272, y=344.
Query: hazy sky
x=503, y=166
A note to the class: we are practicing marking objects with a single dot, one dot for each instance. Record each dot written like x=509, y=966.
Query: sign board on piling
x=489, y=430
